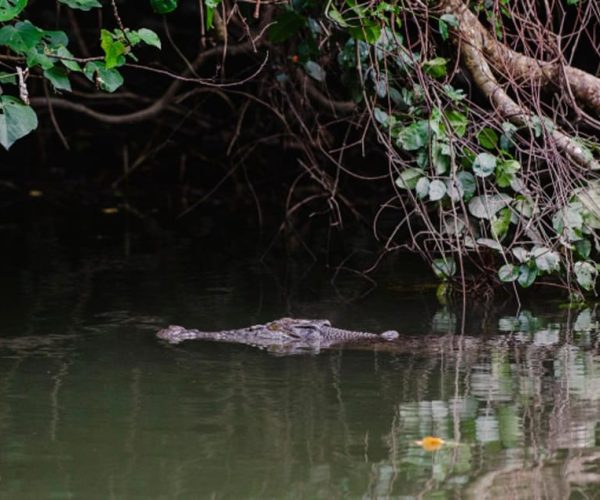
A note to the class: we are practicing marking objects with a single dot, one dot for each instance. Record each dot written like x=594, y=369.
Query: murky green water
x=92, y=405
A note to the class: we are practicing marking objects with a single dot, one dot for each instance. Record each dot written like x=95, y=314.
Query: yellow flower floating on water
x=431, y=443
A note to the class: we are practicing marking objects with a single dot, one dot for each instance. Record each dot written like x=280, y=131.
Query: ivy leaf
x=586, y=274
x=508, y=273
x=488, y=138
x=467, y=181
x=287, y=24
x=443, y=23
x=458, y=122
x=527, y=275
x=315, y=71
x=521, y=254
x=336, y=16
x=454, y=190
x=583, y=248
x=484, y=164
x=437, y=190
x=490, y=243
x=414, y=136
x=501, y=223
x=505, y=172
x=486, y=205
x=444, y=268
x=525, y=206
x=408, y=178
x=16, y=120
x=436, y=67
x=381, y=116
x=422, y=187
x=545, y=259
x=81, y=4
x=369, y=31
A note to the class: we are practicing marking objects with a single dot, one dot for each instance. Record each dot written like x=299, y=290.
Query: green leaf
x=450, y=19
x=490, y=243
x=437, y=190
x=454, y=190
x=436, y=67
x=381, y=117
x=163, y=6
x=369, y=31
x=211, y=6
x=546, y=259
x=487, y=205
x=444, y=268
x=458, y=122
x=525, y=206
x=107, y=79
x=583, y=248
x=414, y=136
x=9, y=9
x=59, y=78
x=440, y=157
x=315, y=71
x=488, y=138
x=81, y=4
x=408, y=178
x=500, y=223
x=505, y=172
x=443, y=29
x=521, y=254
x=149, y=37
x=468, y=183
x=63, y=52
x=586, y=274
x=335, y=15
x=422, y=187
x=114, y=50
x=508, y=273
x=21, y=37
x=527, y=275
x=7, y=78
x=287, y=24
x=484, y=164
x=16, y=120
x=36, y=57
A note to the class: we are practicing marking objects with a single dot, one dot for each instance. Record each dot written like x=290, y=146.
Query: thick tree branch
x=156, y=107
x=471, y=37
x=585, y=87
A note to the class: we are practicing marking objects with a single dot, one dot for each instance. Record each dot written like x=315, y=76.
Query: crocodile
x=283, y=336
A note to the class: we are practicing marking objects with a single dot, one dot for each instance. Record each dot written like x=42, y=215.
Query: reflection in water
x=93, y=406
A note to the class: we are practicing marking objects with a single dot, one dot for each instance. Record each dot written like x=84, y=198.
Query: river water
x=92, y=405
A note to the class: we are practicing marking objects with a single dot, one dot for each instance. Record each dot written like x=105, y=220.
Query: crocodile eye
x=273, y=327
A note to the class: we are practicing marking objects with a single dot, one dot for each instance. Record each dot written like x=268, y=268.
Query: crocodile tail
x=390, y=335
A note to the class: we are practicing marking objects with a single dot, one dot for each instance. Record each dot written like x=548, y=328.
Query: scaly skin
x=283, y=336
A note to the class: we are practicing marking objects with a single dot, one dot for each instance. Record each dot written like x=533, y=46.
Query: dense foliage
x=489, y=132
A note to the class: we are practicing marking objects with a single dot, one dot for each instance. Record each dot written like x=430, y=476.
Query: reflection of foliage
x=507, y=411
